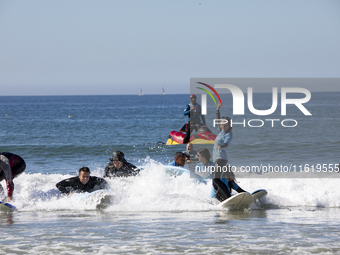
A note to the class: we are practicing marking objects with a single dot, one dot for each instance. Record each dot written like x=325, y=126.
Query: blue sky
x=80, y=47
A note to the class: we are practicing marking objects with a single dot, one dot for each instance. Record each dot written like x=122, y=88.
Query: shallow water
x=160, y=214
x=155, y=213
x=265, y=231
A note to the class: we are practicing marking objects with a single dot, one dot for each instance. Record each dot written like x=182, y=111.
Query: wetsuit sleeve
x=132, y=168
x=6, y=168
x=237, y=188
x=95, y=183
x=218, y=116
x=65, y=186
x=187, y=110
x=101, y=183
x=107, y=171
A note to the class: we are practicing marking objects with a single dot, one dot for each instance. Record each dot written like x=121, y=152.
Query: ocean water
x=155, y=213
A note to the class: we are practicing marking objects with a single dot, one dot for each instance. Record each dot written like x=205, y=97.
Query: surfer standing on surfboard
x=194, y=113
x=223, y=178
x=11, y=166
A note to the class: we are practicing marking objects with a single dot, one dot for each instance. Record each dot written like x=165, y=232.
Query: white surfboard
x=100, y=198
x=7, y=207
x=238, y=201
x=259, y=194
x=171, y=170
x=176, y=170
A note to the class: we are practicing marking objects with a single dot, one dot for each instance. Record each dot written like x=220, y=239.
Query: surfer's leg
x=219, y=166
x=187, y=135
x=222, y=191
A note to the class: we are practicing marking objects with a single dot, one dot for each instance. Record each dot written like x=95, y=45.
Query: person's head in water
x=226, y=127
x=84, y=175
x=180, y=158
x=193, y=99
x=118, y=159
x=189, y=147
x=203, y=155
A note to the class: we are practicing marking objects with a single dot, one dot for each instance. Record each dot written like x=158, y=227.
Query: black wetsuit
x=195, y=118
x=223, y=188
x=11, y=166
x=126, y=170
x=73, y=184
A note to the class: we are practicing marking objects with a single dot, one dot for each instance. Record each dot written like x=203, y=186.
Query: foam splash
x=154, y=190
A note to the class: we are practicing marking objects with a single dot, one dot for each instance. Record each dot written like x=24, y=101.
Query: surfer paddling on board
x=179, y=159
x=11, y=166
x=119, y=167
x=194, y=113
x=222, y=176
x=81, y=183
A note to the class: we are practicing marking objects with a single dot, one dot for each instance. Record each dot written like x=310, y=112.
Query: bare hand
x=219, y=106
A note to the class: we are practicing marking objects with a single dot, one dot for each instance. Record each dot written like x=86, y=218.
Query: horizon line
x=146, y=94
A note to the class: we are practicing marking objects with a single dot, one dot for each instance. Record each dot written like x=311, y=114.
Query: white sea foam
x=155, y=190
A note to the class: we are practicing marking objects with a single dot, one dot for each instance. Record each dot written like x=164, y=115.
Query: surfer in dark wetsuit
x=81, y=183
x=223, y=178
x=222, y=187
x=119, y=167
x=194, y=112
x=11, y=166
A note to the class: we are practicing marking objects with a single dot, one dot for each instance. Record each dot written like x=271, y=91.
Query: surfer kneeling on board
x=81, y=183
x=11, y=166
x=179, y=159
x=119, y=167
x=222, y=186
